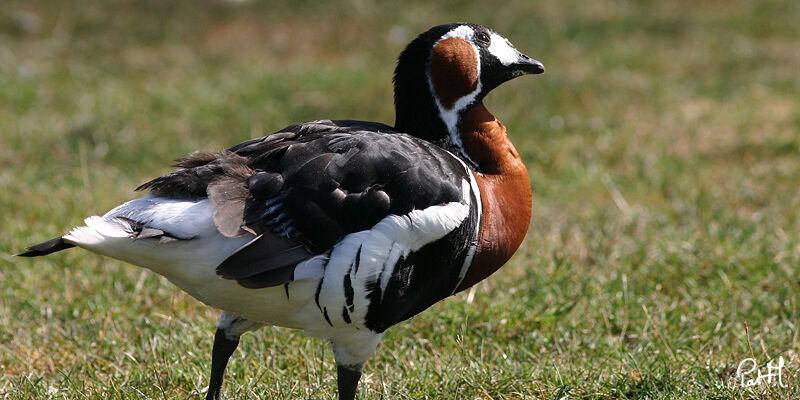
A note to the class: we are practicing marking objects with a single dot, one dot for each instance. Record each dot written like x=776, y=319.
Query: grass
x=663, y=145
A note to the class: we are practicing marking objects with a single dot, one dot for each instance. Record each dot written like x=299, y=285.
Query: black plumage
x=45, y=248
x=311, y=183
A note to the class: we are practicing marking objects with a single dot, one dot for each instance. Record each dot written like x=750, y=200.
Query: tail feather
x=43, y=249
x=96, y=231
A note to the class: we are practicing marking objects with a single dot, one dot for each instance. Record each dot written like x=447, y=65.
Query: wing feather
x=303, y=189
x=264, y=253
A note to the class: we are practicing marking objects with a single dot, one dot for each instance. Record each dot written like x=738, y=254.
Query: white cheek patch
x=500, y=48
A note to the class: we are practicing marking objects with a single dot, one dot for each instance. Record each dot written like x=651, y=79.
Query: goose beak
x=526, y=65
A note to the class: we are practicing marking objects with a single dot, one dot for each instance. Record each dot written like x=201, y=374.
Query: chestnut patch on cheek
x=454, y=70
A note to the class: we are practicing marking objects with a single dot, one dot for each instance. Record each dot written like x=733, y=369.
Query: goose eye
x=482, y=37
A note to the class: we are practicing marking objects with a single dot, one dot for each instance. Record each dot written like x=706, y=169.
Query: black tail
x=43, y=249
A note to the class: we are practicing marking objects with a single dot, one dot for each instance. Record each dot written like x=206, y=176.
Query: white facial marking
x=502, y=49
x=462, y=31
x=450, y=115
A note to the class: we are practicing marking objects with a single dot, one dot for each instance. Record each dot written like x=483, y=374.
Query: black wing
x=312, y=184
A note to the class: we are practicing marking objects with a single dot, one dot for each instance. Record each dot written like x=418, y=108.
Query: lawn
x=663, y=145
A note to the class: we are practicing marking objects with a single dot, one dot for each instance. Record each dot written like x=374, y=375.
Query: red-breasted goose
x=341, y=228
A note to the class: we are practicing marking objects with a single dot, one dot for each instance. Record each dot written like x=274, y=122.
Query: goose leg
x=223, y=349
x=348, y=377
x=351, y=351
x=229, y=328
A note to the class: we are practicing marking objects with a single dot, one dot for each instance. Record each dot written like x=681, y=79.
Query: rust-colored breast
x=505, y=193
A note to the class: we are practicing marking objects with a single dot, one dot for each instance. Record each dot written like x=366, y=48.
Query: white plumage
x=313, y=301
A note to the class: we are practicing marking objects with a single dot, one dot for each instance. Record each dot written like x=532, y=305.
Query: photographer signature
x=748, y=373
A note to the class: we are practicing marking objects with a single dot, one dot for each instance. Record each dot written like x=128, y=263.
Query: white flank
x=377, y=251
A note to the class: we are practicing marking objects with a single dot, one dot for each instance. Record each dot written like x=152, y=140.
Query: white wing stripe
x=473, y=246
x=388, y=266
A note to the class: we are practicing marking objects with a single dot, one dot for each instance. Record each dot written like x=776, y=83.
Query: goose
x=340, y=228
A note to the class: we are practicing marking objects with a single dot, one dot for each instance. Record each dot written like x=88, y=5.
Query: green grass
x=663, y=145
